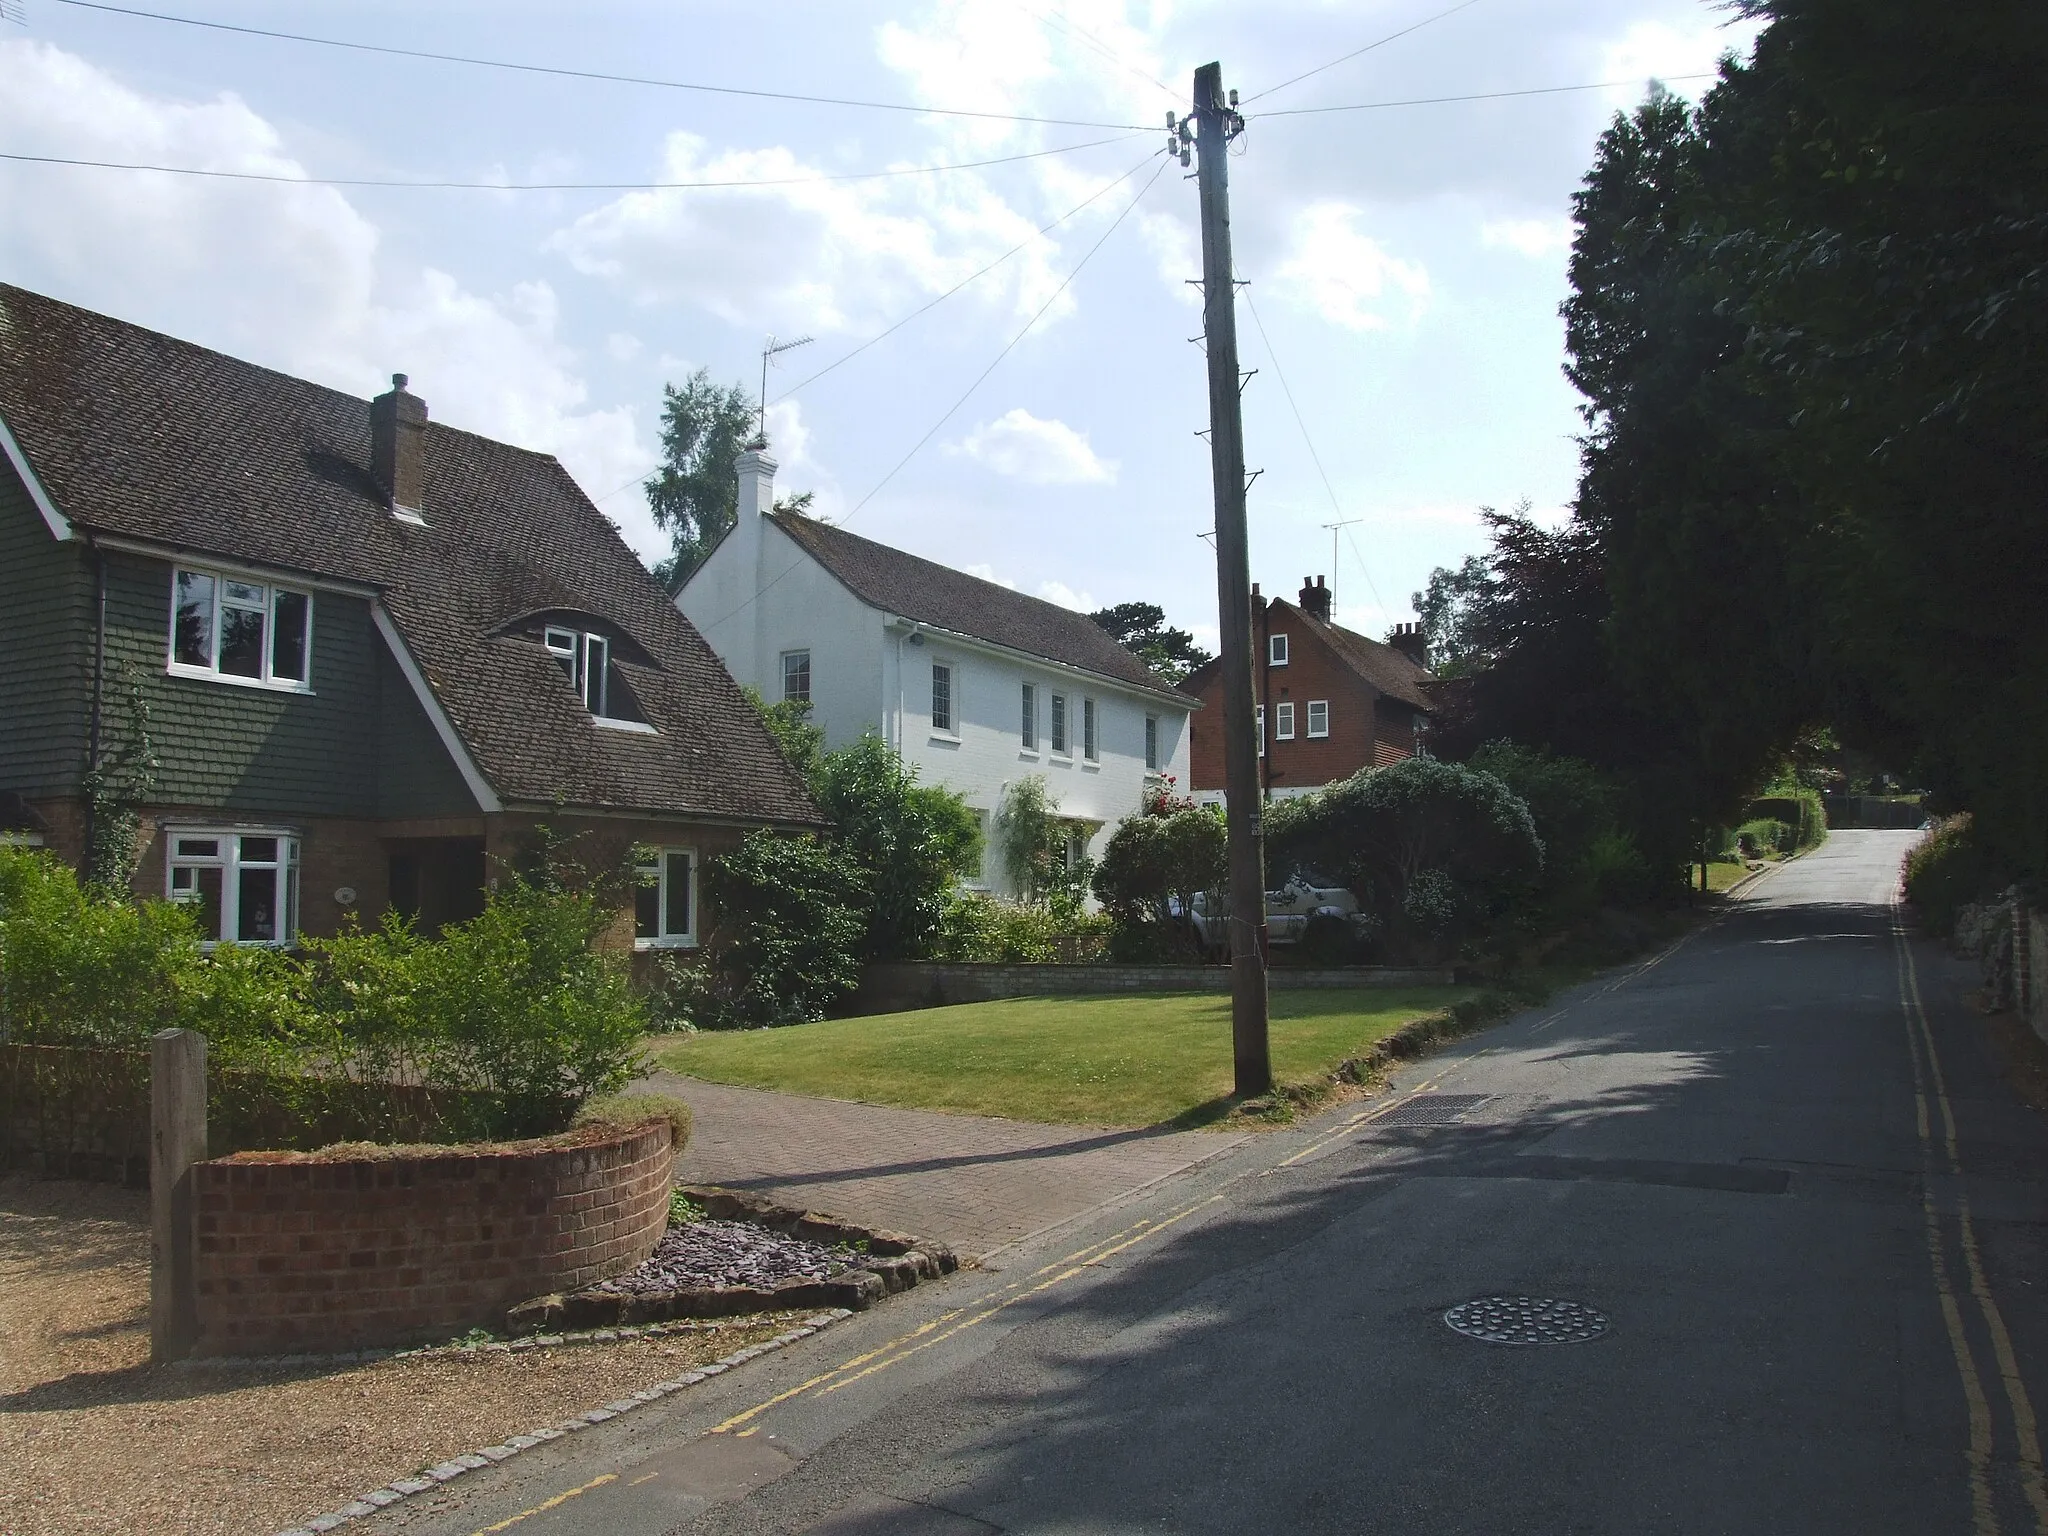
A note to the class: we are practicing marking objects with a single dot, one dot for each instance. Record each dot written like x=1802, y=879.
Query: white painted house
x=975, y=684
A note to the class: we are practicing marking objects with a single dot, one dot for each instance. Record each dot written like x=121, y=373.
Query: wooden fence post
x=177, y=1140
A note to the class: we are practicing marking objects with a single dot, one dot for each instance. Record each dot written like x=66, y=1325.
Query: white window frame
x=1152, y=744
x=229, y=860
x=1260, y=713
x=950, y=726
x=1283, y=720
x=212, y=672
x=1318, y=709
x=1276, y=650
x=661, y=871
x=1027, y=717
x=1091, y=732
x=573, y=650
x=803, y=652
x=1058, y=731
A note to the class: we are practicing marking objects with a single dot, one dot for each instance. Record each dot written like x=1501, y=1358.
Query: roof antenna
x=768, y=353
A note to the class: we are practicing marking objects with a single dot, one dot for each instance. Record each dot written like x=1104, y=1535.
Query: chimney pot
x=1411, y=642
x=398, y=437
x=1315, y=599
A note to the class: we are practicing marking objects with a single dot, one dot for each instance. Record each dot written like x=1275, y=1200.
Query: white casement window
x=1090, y=749
x=1319, y=717
x=942, y=696
x=240, y=631
x=243, y=887
x=796, y=677
x=1261, y=714
x=1077, y=848
x=1283, y=722
x=1276, y=650
x=1152, y=743
x=665, y=900
x=585, y=660
x=1059, y=723
x=1027, y=730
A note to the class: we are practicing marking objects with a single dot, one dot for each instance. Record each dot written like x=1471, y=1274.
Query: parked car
x=1289, y=911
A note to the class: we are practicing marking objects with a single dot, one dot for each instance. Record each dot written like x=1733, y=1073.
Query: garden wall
x=320, y=1253
x=897, y=986
x=71, y=1112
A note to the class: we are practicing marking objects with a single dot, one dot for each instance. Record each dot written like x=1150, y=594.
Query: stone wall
x=320, y=1253
x=895, y=987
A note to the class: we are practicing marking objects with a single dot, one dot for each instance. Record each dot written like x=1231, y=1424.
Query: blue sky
x=1406, y=262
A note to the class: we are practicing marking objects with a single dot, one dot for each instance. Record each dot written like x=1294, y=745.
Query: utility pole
x=1216, y=123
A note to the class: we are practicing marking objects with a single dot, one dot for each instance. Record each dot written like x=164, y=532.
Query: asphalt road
x=1807, y=1208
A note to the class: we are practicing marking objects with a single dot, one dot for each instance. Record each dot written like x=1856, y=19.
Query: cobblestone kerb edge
x=457, y=1466
x=895, y=1261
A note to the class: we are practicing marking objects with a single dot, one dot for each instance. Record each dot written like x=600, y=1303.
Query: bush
x=785, y=945
x=513, y=1015
x=1438, y=852
x=630, y=1109
x=1589, y=860
x=1799, y=808
x=979, y=929
x=1761, y=838
x=1947, y=870
x=1151, y=868
x=912, y=842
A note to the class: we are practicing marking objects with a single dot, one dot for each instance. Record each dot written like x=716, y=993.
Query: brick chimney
x=1315, y=600
x=1411, y=642
x=398, y=442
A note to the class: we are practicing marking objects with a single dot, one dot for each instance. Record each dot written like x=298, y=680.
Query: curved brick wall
x=303, y=1252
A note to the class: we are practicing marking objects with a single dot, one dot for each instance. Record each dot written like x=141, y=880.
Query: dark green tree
x=1141, y=628
x=1447, y=607
x=695, y=492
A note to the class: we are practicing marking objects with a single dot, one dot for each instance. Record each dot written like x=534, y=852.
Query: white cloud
x=1538, y=239
x=1025, y=447
x=987, y=572
x=1059, y=592
x=290, y=277
x=621, y=348
x=812, y=254
x=1657, y=50
x=1347, y=276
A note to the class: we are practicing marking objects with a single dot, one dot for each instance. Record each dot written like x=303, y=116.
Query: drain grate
x=1526, y=1320
x=1433, y=1109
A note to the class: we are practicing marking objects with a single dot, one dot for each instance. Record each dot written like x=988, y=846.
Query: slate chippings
x=713, y=1254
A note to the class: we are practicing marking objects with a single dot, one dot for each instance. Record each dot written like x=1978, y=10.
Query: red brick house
x=1330, y=700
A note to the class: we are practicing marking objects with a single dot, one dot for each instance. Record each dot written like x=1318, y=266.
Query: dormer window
x=585, y=659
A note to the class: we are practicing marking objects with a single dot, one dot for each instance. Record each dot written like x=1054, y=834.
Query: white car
x=1289, y=911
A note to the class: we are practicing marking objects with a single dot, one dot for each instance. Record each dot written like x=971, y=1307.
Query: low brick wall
x=317, y=1253
x=895, y=987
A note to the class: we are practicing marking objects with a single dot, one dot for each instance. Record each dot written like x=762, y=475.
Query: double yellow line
x=1927, y=1075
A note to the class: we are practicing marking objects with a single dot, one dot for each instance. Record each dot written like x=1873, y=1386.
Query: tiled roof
x=1387, y=668
x=915, y=588
x=138, y=434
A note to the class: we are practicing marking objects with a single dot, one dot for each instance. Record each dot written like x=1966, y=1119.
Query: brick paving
x=967, y=1180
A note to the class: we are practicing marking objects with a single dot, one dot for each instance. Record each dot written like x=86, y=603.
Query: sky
x=1037, y=423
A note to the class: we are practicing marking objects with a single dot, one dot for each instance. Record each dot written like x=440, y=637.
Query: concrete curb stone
x=459, y=1466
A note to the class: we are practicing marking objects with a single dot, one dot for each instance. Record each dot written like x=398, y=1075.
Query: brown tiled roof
x=1388, y=669
x=138, y=434
x=938, y=595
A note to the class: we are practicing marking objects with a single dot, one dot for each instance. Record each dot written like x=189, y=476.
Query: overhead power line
x=1432, y=101
x=967, y=393
x=1095, y=44
x=558, y=186
x=592, y=74
x=1359, y=52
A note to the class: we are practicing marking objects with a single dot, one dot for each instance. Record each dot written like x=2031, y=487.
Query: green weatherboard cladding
x=46, y=634
x=358, y=745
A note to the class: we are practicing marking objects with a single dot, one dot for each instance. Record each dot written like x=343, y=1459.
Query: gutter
x=99, y=673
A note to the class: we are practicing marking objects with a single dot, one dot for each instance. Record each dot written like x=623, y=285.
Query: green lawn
x=1087, y=1060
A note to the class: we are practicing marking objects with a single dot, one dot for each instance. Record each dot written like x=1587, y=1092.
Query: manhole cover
x=1432, y=1109
x=1526, y=1320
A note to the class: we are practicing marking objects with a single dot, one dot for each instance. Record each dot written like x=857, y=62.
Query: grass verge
x=1145, y=1060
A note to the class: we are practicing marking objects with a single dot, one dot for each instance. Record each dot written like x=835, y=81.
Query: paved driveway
x=976, y=1183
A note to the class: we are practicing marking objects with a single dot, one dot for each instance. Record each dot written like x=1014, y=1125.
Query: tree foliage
x=694, y=495
x=1150, y=870
x=784, y=941
x=1142, y=629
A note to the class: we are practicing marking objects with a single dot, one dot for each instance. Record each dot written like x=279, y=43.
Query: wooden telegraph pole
x=1216, y=123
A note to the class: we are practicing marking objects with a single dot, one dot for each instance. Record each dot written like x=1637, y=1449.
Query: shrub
x=1438, y=852
x=1948, y=869
x=1799, y=808
x=784, y=947
x=630, y=1109
x=980, y=929
x=1589, y=861
x=1151, y=868
x=912, y=842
